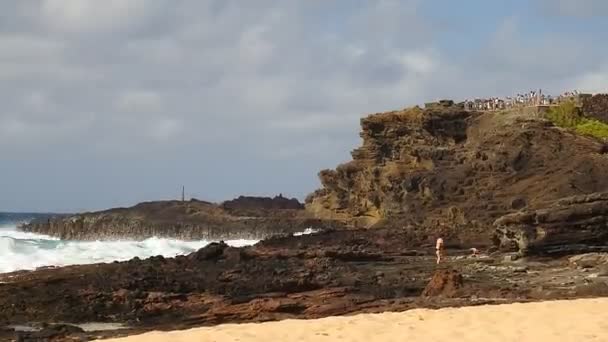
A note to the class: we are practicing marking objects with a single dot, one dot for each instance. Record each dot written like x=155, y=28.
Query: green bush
x=565, y=115
x=593, y=128
x=568, y=115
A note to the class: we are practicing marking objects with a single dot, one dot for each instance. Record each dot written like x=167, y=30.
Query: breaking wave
x=28, y=251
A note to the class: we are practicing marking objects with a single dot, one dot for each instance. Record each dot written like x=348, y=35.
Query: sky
x=109, y=103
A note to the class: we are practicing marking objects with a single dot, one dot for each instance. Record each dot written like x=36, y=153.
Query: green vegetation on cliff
x=593, y=128
x=568, y=115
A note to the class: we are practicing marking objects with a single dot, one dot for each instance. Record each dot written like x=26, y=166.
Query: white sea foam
x=307, y=231
x=89, y=327
x=28, y=251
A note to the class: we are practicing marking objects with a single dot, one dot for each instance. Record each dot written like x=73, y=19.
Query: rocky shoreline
x=532, y=197
x=323, y=274
x=249, y=218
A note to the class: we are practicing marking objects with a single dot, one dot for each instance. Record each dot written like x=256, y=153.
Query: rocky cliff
x=441, y=169
x=567, y=225
x=263, y=217
x=596, y=106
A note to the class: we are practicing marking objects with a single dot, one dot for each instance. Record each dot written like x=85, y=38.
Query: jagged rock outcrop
x=578, y=223
x=596, y=106
x=444, y=283
x=7, y=219
x=185, y=220
x=445, y=170
x=256, y=206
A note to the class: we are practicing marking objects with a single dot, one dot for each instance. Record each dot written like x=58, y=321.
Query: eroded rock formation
x=576, y=223
x=445, y=170
x=445, y=282
x=596, y=106
x=245, y=218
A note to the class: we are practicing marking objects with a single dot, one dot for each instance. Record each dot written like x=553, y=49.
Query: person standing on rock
x=439, y=249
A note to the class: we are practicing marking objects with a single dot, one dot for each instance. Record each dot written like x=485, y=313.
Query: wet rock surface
x=52, y=332
x=311, y=276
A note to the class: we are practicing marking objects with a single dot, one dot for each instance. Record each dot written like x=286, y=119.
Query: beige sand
x=577, y=321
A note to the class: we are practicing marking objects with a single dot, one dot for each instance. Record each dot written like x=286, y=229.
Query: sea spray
x=28, y=251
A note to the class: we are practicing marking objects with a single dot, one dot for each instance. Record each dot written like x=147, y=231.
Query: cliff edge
x=442, y=169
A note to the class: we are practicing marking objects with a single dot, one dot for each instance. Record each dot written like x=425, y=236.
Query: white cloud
x=164, y=129
x=253, y=47
x=594, y=82
x=37, y=101
x=308, y=122
x=419, y=61
x=281, y=80
x=27, y=48
x=138, y=101
x=34, y=135
x=78, y=16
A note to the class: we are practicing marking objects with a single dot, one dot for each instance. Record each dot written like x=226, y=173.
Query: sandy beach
x=576, y=320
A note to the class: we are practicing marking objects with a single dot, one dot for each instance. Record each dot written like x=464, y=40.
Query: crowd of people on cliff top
x=529, y=99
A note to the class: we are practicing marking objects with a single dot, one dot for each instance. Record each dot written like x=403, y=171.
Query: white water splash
x=307, y=231
x=28, y=251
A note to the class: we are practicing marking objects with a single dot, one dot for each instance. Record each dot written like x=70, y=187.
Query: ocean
x=28, y=251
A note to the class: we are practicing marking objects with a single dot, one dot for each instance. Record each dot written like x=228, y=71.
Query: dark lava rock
x=246, y=205
x=572, y=224
x=251, y=218
x=210, y=252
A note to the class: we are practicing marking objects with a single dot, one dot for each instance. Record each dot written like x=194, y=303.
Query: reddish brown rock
x=282, y=278
x=444, y=283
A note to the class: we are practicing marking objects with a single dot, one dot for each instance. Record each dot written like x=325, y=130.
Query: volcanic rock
x=572, y=224
x=444, y=283
x=443, y=170
x=589, y=260
x=210, y=252
x=252, y=206
x=281, y=278
x=251, y=218
x=596, y=106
